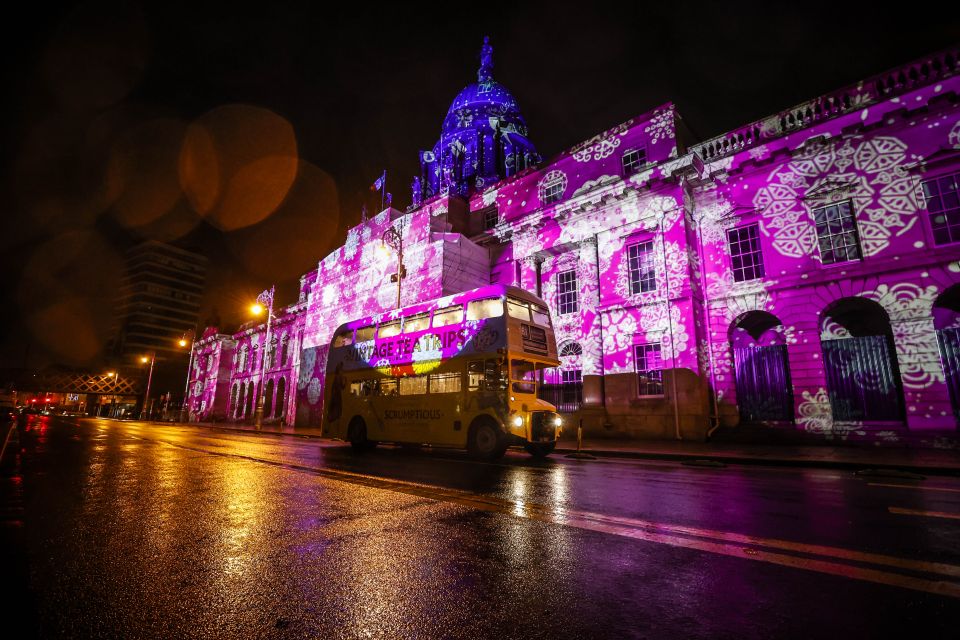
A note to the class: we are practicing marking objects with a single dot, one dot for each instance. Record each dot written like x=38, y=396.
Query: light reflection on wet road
x=131, y=530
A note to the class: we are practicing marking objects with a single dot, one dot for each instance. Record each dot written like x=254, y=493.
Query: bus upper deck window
x=448, y=316
x=365, y=333
x=541, y=316
x=518, y=309
x=344, y=338
x=489, y=308
x=390, y=329
x=417, y=322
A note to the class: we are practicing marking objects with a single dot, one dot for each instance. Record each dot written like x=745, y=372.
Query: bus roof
x=489, y=291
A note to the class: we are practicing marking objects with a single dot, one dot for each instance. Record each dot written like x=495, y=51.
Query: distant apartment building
x=159, y=300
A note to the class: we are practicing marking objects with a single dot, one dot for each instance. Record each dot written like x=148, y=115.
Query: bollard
x=579, y=455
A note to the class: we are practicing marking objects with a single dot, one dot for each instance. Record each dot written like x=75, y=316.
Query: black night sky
x=100, y=96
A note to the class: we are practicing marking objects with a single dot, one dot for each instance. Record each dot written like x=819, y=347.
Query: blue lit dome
x=483, y=139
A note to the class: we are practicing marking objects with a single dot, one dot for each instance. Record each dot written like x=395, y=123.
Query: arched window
x=285, y=356
x=571, y=349
x=281, y=398
x=268, y=399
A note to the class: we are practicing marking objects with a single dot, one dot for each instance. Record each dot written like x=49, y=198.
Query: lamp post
x=116, y=387
x=188, y=338
x=264, y=301
x=393, y=238
x=146, y=395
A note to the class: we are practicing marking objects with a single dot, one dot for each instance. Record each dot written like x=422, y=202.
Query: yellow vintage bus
x=461, y=371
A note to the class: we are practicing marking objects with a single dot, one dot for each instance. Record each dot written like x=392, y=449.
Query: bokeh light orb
x=237, y=164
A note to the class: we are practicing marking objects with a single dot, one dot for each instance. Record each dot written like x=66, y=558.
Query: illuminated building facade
x=800, y=272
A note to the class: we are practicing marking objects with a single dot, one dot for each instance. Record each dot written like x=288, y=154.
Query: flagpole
x=383, y=188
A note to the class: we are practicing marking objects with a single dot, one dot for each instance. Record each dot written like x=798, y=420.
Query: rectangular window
x=483, y=374
x=837, y=233
x=390, y=329
x=633, y=160
x=571, y=391
x=444, y=382
x=491, y=218
x=553, y=191
x=489, y=308
x=646, y=358
x=418, y=322
x=524, y=376
x=643, y=273
x=388, y=387
x=942, y=198
x=567, y=292
x=540, y=315
x=745, y=256
x=518, y=309
x=448, y=316
x=413, y=385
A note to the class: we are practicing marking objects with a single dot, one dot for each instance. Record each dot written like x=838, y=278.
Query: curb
x=843, y=465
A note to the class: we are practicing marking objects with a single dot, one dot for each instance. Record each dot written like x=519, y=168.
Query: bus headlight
x=518, y=421
x=557, y=421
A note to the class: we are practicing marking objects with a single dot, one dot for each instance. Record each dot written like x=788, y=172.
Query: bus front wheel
x=486, y=442
x=357, y=434
x=540, y=450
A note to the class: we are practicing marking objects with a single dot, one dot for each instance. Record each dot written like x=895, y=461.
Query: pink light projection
x=763, y=273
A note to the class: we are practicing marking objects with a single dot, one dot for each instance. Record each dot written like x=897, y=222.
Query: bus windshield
x=523, y=374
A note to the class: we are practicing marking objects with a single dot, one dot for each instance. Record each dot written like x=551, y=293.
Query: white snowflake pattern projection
x=953, y=138
x=815, y=414
x=830, y=329
x=660, y=126
x=869, y=171
x=590, y=185
x=314, y=391
x=654, y=321
x=600, y=146
x=329, y=294
x=910, y=307
x=351, y=244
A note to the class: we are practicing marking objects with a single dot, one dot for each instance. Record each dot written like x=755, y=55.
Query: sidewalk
x=932, y=461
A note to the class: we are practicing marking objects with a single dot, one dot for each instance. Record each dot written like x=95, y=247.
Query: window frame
x=953, y=172
x=648, y=347
x=549, y=195
x=628, y=171
x=856, y=232
x=742, y=226
x=634, y=243
x=572, y=306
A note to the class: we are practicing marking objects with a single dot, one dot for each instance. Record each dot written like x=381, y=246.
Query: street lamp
x=264, y=302
x=116, y=387
x=146, y=395
x=393, y=238
x=185, y=339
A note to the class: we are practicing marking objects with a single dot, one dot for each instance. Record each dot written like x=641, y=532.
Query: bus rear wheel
x=357, y=435
x=540, y=450
x=486, y=442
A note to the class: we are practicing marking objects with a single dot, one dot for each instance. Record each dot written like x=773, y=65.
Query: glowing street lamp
x=146, y=396
x=393, y=238
x=185, y=339
x=264, y=302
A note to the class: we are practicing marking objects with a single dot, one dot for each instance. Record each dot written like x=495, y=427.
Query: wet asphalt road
x=127, y=530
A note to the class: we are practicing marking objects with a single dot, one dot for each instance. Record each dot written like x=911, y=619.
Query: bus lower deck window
x=388, y=387
x=524, y=375
x=413, y=385
x=444, y=382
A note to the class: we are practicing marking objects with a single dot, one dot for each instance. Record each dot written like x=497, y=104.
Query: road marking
x=920, y=512
x=724, y=543
x=910, y=486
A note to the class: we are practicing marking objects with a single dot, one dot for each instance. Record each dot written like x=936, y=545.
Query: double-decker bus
x=460, y=371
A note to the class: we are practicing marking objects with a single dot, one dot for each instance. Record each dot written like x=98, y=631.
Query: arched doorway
x=268, y=400
x=946, y=321
x=249, y=410
x=241, y=402
x=281, y=398
x=761, y=368
x=233, y=400
x=860, y=362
